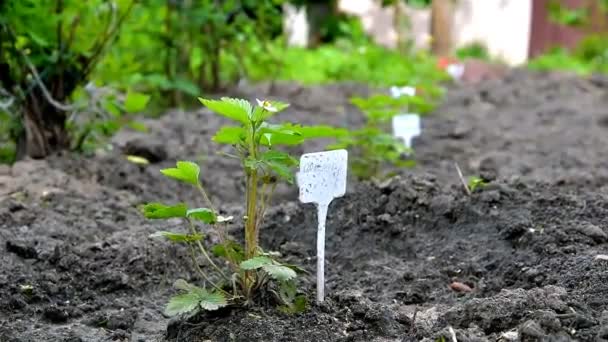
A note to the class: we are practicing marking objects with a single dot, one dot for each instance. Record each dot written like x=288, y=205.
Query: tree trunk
x=441, y=27
x=44, y=129
x=317, y=14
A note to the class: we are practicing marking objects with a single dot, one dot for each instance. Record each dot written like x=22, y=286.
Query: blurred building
x=512, y=30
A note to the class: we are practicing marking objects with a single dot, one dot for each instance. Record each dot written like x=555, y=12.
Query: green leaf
x=161, y=211
x=279, y=272
x=229, y=250
x=183, y=285
x=185, y=171
x=280, y=163
x=231, y=135
x=202, y=214
x=255, y=263
x=279, y=156
x=186, y=303
x=136, y=102
x=138, y=126
x=111, y=107
x=299, y=304
x=285, y=134
x=177, y=237
x=234, y=109
x=194, y=300
x=282, y=170
x=211, y=300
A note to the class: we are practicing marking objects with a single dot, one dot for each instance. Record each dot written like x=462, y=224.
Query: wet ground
x=410, y=258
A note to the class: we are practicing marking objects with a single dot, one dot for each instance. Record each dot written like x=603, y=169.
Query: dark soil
x=410, y=258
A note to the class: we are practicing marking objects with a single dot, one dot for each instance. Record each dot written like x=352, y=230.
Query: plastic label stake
x=322, y=178
x=455, y=70
x=406, y=127
x=397, y=92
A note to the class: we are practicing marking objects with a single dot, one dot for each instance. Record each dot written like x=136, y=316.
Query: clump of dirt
x=409, y=258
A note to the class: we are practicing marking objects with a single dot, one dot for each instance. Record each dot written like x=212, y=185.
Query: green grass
x=365, y=63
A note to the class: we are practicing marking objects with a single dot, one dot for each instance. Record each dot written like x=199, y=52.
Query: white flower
x=267, y=105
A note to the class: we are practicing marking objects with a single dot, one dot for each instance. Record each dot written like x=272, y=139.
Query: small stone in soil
x=460, y=287
x=122, y=320
x=55, y=314
x=21, y=249
x=531, y=329
x=592, y=231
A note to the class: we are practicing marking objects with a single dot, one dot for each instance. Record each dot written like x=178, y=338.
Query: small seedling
x=253, y=274
x=475, y=183
x=371, y=146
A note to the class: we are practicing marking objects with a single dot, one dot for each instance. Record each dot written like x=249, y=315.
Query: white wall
x=503, y=25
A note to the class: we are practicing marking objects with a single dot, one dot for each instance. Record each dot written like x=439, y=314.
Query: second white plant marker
x=406, y=127
x=322, y=178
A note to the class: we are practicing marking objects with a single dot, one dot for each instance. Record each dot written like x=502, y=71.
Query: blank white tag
x=406, y=127
x=397, y=92
x=322, y=178
x=455, y=70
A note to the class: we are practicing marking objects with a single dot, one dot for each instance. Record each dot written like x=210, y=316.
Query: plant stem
x=251, y=225
x=266, y=197
x=251, y=242
x=200, y=271
x=206, y=197
x=204, y=252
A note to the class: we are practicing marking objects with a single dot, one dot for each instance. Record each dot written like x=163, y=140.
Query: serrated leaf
x=183, y=285
x=231, y=135
x=279, y=272
x=185, y=303
x=195, y=299
x=136, y=102
x=161, y=211
x=255, y=263
x=202, y=214
x=184, y=171
x=234, y=109
x=177, y=237
x=211, y=300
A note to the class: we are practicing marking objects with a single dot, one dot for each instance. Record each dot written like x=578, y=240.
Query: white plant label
x=397, y=92
x=322, y=178
x=456, y=71
x=406, y=127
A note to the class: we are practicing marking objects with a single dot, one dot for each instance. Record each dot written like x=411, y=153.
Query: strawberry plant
x=371, y=146
x=253, y=273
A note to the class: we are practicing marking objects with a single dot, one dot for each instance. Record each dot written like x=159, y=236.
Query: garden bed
x=407, y=258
